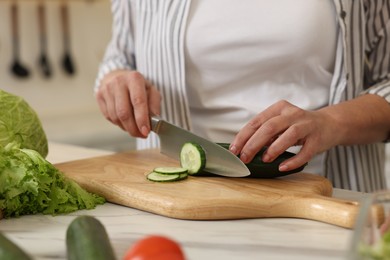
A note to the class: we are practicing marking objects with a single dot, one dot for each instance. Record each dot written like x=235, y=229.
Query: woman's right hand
x=127, y=100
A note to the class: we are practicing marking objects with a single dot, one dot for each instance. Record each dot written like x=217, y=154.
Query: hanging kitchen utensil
x=17, y=68
x=43, y=61
x=67, y=61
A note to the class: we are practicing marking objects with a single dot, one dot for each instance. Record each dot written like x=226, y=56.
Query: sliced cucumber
x=160, y=177
x=183, y=176
x=170, y=170
x=192, y=158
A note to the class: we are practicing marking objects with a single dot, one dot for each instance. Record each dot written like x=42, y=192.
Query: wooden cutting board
x=121, y=179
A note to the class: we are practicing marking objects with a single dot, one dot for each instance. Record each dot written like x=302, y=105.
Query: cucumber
x=192, y=158
x=183, y=176
x=87, y=239
x=260, y=169
x=162, y=177
x=170, y=170
x=10, y=251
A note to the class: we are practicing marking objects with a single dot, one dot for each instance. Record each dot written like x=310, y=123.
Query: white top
x=240, y=59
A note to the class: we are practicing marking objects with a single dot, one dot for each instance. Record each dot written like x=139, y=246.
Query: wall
x=65, y=104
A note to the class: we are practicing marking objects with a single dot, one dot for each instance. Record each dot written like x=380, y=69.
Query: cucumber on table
x=260, y=169
x=87, y=239
x=10, y=251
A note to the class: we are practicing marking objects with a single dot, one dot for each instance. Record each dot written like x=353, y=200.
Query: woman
x=277, y=73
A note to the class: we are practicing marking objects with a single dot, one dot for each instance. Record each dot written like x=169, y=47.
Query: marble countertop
x=43, y=236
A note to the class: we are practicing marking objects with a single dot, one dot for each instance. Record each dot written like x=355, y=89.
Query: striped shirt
x=148, y=36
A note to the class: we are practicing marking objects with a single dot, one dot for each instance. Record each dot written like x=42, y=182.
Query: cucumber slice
x=159, y=177
x=192, y=158
x=170, y=170
x=183, y=176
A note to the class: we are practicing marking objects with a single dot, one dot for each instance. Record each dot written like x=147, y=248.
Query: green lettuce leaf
x=29, y=184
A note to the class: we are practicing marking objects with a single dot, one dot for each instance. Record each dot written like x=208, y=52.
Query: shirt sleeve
x=377, y=63
x=119, y=53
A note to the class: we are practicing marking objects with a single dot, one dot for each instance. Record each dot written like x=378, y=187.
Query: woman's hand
x=362, y=120
x=127, y=100
x=281, y=126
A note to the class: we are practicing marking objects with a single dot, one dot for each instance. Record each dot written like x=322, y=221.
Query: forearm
x=363, y=120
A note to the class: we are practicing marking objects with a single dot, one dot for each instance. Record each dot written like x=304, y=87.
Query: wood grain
x=120, y=178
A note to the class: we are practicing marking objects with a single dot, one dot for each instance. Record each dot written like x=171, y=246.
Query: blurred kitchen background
x=64, y=102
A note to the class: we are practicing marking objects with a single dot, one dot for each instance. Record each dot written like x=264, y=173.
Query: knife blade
x=218, y=160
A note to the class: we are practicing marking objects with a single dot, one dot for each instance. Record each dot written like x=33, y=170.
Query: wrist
x=361, y=120
x=335, y=127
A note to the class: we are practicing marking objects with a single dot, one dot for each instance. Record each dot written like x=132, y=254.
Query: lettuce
x=19, y=123
x=29, y=184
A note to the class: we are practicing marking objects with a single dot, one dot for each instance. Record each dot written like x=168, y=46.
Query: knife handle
x=155, y=122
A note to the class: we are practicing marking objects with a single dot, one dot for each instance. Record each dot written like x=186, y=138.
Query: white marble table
x=43, y=236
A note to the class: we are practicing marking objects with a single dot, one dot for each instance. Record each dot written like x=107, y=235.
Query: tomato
x=155, y=248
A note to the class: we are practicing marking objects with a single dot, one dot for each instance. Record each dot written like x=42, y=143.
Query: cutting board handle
x=330, y=210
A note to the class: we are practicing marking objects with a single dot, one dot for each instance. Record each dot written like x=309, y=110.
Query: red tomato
x=155, y=248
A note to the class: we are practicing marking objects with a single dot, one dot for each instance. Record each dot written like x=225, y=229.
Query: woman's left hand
x=281, y=126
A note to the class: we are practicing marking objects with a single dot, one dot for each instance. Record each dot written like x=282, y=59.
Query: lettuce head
x=29, y=184
x=19, y=123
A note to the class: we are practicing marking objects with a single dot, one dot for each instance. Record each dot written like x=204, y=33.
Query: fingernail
x=156, y=113
x=283, y=168
x=233, y=149
x=144, y=131
x=243, y=157
x=266, y=158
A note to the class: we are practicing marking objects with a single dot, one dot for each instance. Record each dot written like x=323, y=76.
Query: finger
x=254, y=124
x=154, y=100
x=290, y=137
x=139, y=101
x=124, y=110
x=106, y=102
x=268, y=131
x=102, y=104
x=243, y=136
x=303, y=156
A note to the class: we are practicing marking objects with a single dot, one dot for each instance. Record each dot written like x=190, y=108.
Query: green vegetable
x=192, y=158
x=170, y=170
x=378, y=251
x=19, y=123
x=87, y=239
x=260, y=169
x=163, y=177
x=10, y=251
x=29, y=184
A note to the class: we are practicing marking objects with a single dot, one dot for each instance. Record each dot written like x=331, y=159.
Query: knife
x=219, y=160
